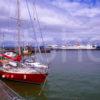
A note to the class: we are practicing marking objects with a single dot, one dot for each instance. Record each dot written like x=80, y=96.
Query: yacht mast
x=18, y=26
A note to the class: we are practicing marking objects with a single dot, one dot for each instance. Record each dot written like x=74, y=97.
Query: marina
x=49, y=50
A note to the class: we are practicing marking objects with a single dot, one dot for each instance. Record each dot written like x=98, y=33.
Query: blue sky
x=59, y=20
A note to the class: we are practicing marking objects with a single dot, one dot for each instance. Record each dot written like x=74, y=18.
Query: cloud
x=57, y=18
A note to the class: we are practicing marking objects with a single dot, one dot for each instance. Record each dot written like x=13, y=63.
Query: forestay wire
x=41, y=32
x=33, y=27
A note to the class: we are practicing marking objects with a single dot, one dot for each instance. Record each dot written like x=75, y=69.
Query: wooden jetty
x=6, y=93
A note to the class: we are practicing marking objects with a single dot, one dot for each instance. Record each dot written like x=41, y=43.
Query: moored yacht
x=13, y=66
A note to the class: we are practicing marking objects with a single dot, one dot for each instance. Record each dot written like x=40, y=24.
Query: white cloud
x=66, y=5
x=74, y=17
x=6, y=30
x=87, y=12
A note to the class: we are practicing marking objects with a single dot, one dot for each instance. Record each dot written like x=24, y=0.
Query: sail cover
x=17, y=58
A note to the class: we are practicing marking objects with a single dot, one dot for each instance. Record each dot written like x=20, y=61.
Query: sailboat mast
x=18, y=26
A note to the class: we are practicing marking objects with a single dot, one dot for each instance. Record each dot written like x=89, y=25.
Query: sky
x=57, y=20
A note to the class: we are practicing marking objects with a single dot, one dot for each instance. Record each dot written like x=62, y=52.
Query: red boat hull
x=30, y=78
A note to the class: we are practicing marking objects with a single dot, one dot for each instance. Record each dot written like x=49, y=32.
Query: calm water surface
x=73, y=75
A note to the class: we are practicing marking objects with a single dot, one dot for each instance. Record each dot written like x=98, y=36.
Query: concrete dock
x=6, y=93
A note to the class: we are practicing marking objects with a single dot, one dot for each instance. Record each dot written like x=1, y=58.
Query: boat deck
x=7, y=93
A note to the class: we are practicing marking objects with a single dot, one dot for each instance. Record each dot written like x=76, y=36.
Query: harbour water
x=73, y=75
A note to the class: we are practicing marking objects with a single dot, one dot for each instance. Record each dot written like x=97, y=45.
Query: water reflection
x=28, y=91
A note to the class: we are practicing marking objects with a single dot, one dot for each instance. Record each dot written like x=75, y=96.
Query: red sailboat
x=14, y=67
